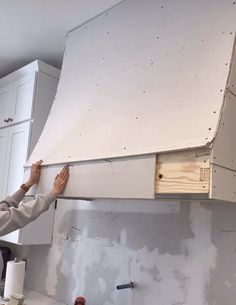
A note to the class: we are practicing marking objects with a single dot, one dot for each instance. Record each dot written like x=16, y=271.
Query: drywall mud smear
x=144, y=77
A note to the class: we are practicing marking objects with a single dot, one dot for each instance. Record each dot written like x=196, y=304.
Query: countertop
x=35, y=298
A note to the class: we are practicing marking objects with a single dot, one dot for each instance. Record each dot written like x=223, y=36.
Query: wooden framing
x=183, y=172
x=193, y=173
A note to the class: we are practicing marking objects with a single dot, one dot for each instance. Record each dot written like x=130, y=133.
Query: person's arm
x=13, y=218
x=12, y=201
x=18, y=196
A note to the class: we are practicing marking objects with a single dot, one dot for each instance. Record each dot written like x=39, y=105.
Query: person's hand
x=61, y=181
x=34, y=174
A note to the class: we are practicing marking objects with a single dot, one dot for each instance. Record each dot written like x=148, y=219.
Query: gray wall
x=176, y=252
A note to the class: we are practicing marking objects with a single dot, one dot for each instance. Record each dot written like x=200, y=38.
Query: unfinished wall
x=178, y=253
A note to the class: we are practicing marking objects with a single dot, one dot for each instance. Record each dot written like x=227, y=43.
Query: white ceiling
x=31, y=29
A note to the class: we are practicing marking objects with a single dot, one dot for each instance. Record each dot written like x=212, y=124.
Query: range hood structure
x=146, y=104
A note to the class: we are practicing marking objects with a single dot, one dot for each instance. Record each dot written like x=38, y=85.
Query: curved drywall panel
x=145, y=77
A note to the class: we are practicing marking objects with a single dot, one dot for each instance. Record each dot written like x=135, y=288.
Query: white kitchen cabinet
x=23, y=98
x=16, y=100
x=6, y=96
x=3, y=154
x=17, y=148
x=26, y=96
x=36, y=233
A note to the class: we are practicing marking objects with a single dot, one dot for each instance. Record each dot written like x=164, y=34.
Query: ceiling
x=33, y=29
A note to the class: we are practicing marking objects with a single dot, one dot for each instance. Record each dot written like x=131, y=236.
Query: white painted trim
x=120, y=178
x=35, y=66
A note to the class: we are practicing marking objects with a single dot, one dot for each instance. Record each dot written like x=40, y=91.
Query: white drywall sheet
x=120, y=178
x=223, y=184
x=145, y=77
x=224, y=148
x=232, y=79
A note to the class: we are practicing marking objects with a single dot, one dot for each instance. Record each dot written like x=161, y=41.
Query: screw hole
x=160, y=176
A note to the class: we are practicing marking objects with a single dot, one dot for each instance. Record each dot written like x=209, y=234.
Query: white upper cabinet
x=17, y=100
x=6, y=98
x=23, y=98
x=3, y=155
x=17, y=149
x=26, y=96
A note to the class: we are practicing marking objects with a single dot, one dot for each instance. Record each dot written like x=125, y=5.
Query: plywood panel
x=223, y=184
x=183, y=172
x=145, y=77
x=126, y=178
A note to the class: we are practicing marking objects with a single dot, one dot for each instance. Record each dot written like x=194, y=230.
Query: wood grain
x=183, y=172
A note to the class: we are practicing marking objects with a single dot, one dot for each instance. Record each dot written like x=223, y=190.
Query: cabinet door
x=6, y=95
x=23, y=99
x=12, y=237
x=3, y=156
x=38, y=232
x=17, y=150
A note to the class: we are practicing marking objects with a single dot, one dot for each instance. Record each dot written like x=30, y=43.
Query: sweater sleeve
x=15, y=217
x=13, y=200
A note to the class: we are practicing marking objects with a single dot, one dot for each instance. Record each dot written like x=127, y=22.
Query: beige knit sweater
x=14, y=216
